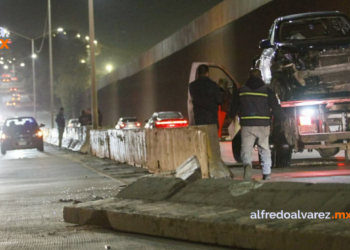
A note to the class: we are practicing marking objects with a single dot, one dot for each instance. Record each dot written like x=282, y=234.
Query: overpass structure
x=228, y=34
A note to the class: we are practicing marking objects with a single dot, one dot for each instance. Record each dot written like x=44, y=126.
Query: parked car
x=21, y=133
x=73, y=123
x=169, y=119
x=128, y=123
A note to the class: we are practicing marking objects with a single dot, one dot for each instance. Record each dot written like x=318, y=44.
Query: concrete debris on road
x=190, y=170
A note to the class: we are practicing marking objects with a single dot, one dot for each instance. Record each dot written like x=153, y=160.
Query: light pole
x=92, y=64
x=51, y=68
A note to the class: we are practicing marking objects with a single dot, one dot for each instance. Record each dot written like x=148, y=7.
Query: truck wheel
x=328, y=152
x=3, y=151
x=279, y=85
x=282, y=152
x=281, y=156
x=236, y=146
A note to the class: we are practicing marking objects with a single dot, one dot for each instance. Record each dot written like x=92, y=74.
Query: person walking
x=206, y=97
x=254, y=102
x=61, y=124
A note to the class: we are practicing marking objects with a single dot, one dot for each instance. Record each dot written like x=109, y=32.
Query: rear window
x=25, y=122
x=170, y=115
x=129, y=119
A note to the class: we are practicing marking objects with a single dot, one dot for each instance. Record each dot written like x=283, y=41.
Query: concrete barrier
x=221, y=212
x=128, y=146
x=168, y=148
x=75, y=139
x=99, y=143
x=80, y=139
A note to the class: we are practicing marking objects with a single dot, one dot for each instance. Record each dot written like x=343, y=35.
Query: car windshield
x=315, y=28
x=21, y=122
x=129, y=119
x=170, y=115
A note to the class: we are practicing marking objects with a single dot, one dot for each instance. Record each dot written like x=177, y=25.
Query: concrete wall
x=163, y=86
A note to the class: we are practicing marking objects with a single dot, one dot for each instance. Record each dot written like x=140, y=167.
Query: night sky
x=125, y=28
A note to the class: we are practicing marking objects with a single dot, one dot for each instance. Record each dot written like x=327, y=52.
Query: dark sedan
x=21, y=133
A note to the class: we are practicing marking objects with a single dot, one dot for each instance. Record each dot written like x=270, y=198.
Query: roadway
x=34, y=188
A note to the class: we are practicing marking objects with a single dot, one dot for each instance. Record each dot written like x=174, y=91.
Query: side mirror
x=41, y=125
x=265, y=44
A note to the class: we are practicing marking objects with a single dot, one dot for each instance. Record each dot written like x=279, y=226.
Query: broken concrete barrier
x=190, y=170
x=220, y=212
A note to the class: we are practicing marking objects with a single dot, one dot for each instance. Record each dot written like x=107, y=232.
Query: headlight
x=38, y=134
x=3, y=136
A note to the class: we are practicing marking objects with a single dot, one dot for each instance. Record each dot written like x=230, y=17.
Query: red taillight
x=305, y=120
x=122, y=125
x=138, y=124
x=171, y=123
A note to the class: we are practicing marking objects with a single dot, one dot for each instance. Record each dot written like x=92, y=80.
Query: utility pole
x=92, y=64
x=34, y=83
x=51, y=68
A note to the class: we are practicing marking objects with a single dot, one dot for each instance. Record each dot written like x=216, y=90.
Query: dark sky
x=125, y=28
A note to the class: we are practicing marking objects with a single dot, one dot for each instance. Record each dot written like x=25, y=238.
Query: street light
x=87, y=38
x=109, y=68
x=78, y=35
x=60, y=29
x=1, y=62
x=83, y=61
x=34, y=56
x=92, y=65
x=22, y=65
x=6, y=67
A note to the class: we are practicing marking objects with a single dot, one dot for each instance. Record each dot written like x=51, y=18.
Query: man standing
x=61, y=124
x=206, y=97
x=254, y=102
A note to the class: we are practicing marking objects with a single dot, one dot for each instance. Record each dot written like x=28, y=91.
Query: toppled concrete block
x=153, y=189
x=190, y=170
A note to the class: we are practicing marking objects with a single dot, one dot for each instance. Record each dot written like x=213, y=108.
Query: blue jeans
x=259, y=134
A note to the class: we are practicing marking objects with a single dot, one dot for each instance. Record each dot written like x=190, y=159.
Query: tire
x=280, y=87
x=3, y=151
x=282, y=152
x=41, y=148
x=326, y=153
x=237, y=146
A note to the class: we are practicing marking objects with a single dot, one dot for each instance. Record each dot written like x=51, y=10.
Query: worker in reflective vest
x=254, y=102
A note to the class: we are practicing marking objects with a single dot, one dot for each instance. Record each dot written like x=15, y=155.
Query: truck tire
x=282, y=152
x=236, y=146
x=326, y=153
x=279, y=86
x=281, y=156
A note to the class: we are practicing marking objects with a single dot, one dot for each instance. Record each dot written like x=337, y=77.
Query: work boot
x=266, y=177
x=247, y=175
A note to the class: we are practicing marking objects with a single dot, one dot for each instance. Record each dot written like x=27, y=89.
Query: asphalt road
x=34, y=188
x=306, y=167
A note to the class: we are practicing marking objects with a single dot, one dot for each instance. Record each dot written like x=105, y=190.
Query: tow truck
x=306, y=62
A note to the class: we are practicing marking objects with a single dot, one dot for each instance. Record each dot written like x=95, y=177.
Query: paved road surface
x=306, y=167
x=31, y=186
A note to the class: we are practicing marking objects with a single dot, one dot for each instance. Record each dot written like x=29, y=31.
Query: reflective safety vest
x=254, y=106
